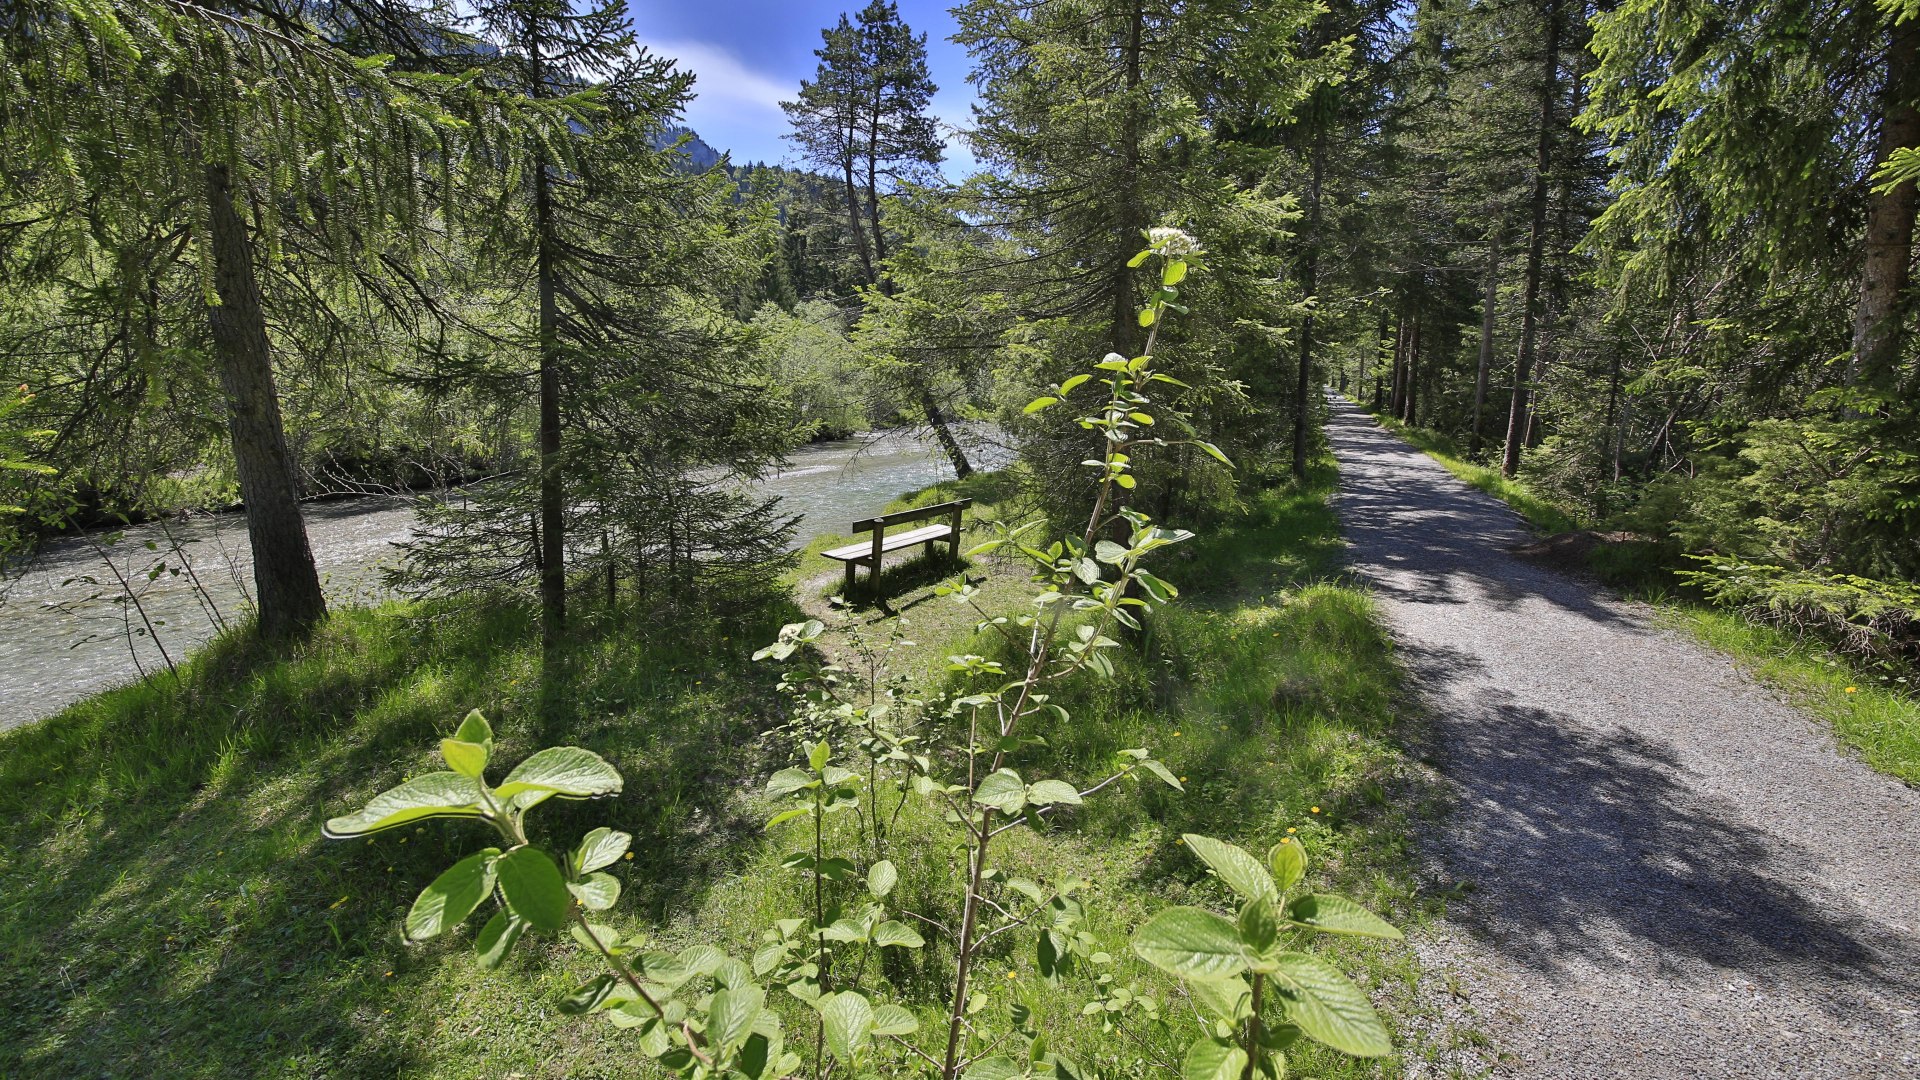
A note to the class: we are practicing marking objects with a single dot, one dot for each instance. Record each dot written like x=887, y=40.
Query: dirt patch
x=1569, y=551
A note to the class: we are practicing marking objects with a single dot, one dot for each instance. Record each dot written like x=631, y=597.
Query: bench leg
x=846, y=590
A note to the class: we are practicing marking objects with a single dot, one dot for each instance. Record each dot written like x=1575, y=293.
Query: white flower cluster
x=1173, y=243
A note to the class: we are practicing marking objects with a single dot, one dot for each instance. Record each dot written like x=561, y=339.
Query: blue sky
x=751, y=54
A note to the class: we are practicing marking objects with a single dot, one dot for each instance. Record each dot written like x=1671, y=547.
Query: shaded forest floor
x=167, y=906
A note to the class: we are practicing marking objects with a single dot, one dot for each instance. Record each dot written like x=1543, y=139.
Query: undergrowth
x=170, y=909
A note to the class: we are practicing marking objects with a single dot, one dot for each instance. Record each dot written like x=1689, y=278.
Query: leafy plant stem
x=1253, y=1027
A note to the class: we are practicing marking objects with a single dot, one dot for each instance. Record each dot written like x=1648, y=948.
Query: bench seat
x=863, y=551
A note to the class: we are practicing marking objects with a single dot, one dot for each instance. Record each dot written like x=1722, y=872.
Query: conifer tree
x=212, y=134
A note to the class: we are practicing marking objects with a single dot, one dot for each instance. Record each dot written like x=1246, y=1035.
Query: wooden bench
x=868, y=553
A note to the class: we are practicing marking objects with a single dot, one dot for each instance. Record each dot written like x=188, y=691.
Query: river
x=67, y=632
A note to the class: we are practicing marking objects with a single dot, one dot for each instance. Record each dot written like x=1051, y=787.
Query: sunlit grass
x=167, y=907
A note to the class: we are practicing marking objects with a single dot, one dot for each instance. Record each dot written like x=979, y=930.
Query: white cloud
x=735, y=107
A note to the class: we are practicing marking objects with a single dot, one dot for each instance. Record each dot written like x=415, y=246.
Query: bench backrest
x=901, y=517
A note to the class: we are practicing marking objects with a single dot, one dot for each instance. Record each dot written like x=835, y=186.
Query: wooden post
x=953, y=543
x=873, y=572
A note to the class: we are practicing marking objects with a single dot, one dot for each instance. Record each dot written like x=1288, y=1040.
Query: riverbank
x=169, y=907
x=104, y=609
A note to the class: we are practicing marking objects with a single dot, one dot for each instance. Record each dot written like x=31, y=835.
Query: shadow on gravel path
x=1665, y=871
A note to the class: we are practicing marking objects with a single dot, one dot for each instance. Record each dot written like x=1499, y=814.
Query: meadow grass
x=171, y=910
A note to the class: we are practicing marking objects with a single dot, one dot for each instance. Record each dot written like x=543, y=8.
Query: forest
x=1639, y=269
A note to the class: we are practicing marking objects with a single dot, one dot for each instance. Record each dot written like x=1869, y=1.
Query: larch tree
x=212, y=133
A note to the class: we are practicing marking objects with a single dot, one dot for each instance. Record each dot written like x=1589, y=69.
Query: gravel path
x=1666, y=871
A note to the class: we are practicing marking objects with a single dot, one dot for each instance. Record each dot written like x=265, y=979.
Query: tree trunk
x=1127, y=240
x=286, y=585
x=1309, y=276
x=1489, y=294
x=1887, y=267
x=1413, y=373
x=553, y=494
x=1396, y=383
x=1519, y=414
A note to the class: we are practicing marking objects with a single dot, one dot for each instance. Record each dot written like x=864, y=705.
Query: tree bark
x=1397, y=383
x=286, y=585
x=1887, y=268
x=1519, y=413
x=1489, y=293
x=553, y=494
x=1309, y=282
x=1412, y=416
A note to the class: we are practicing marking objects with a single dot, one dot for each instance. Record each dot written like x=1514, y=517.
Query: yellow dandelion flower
x=1286, y=839
x=1853, y=689
x=629, y=854
x=1291, y=831
x=1315, y=809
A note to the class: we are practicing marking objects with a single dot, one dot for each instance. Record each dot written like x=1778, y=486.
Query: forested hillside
x=1643, y=268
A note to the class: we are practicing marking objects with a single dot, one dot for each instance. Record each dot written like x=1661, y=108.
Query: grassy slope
x=169, y=908
x=1878, y=719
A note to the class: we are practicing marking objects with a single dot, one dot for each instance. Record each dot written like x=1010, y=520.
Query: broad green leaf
x=730, y=1016
x=893, y=1020
x=452, y=896
x=465, y=758
x=1125, y=480
x=1072, y=383
x=600, y=849
x=595, y=936
x=588, y=996
x=892, y=932
x=845, y=930
x=1109, y=552
x=1327, y=1006
x=788, y=781
x=1241, y=871
x=1004, y=791
x=785, y=816
x=1039, y=403
x=474, y=729
x=597, y=893
x=1146, y=316
x=1259, y=924
x=437, y=794
x=848, y=1019
x=1228, y=999
x=997, y=1067
x=1210, y=1059
x=496, y=938
x=1288, y=862
x=1166, y=775
x=1052, y=792
x=834, y=868
x=1174, y=272
x=1191, y=943
x=562, y=770
x=1338, y=915
x=1213, y=452
x=819, y=754
x=881, y=878
x=1086, y=570
x=534, y=889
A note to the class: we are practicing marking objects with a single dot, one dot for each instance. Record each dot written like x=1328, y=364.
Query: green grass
x=170, y=909
x=1879, y=719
